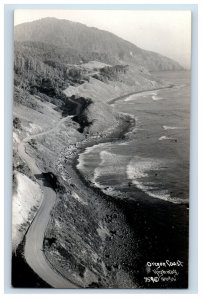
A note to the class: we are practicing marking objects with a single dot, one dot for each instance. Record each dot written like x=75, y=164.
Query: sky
x=165, y=32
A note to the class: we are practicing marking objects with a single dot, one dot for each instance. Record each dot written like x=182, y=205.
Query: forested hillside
x=77, y=43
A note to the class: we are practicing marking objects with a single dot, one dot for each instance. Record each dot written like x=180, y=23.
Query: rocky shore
x=107, y=242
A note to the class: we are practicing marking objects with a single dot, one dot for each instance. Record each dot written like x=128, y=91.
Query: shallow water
x=154, y=157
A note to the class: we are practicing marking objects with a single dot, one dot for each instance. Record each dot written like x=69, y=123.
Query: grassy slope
x=101, y=92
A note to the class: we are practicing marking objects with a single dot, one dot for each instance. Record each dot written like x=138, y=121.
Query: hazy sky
x=165, y=32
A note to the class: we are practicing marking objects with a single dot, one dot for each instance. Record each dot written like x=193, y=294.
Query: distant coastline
x=139, y=92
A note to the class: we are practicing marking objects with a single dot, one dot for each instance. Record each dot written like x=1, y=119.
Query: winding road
x=33, y=249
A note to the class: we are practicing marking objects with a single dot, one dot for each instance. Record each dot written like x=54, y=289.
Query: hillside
x=79, y=43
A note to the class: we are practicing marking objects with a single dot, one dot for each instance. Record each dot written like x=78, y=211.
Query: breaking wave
x=111, y=166
x=138, y=168
x=164, y=137
x=143, y=94
x=156, y=98
x=171, y=127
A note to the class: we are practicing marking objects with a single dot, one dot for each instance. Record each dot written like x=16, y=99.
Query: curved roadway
x=33, y=250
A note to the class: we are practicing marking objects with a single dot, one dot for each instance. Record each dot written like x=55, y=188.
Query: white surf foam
x=138, y=168
x=157, y=98
x=164, y=137
x=140, y=94
x=88, y=150
x=171, y=127
x=111, y=164
x=130, y=98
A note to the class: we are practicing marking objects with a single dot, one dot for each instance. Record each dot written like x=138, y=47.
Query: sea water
x=154, y=156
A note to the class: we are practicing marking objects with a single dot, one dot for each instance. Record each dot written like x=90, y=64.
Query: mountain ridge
x=92, y=43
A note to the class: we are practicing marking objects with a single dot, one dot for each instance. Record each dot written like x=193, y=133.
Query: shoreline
x=142, y=207
x=78, y=180
x=140, y=215
x=110, y=102
x=167, y=212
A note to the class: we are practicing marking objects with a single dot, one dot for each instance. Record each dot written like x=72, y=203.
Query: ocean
x=154, y=156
